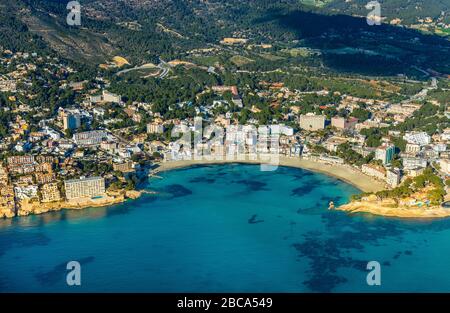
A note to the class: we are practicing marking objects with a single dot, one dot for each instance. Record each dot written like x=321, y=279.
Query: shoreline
x=377, y=208
x=344, y=173
x=37, y=208
x=341, y=172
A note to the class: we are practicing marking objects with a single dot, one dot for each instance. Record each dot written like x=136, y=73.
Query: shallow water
x=226, y=228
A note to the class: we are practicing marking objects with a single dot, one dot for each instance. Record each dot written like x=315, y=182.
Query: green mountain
x=144, y=30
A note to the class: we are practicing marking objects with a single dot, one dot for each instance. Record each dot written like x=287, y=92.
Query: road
x=163, y=66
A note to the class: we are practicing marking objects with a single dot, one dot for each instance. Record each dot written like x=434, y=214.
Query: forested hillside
x=144, y=31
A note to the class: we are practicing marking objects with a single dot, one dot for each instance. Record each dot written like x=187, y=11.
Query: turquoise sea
x=226, y=228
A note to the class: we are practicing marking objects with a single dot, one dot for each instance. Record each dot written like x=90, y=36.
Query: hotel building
x=385, y=153
x=89, y=138
x=71, y=121
x=84, y=187
x=393, y=178
x=312, y=122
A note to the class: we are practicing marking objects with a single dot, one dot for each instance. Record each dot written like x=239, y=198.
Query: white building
x=412, y=148
x=106, y=96
x=385, y=153
x=344, y=123
x=89, y=138
x=393, y=178
x=53, y=134
x=312, y=122
x=155, y=128
x=111, y=97
x=26, y=192
x=331, y=159
x=440, y=147
x=419, y=138
x=445, y=166
x=99, y=111
x=374, y=171
x=84, y=187
x=411, y=163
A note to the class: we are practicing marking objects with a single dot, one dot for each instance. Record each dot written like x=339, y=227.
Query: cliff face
x=389, y=208
x=25, y=208
x=28, y=208
x=6, y=213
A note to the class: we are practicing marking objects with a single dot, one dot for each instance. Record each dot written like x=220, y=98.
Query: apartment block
x=20, y=160
x=155, y=128
x=410, y=163
x=343, y=123
x=44, y=178
x=84, y=187
x=445, y=166
x=385, y=153
x=123, y=167
x=89, y=138
x=393, y=178
x=71, y=121
x=312, y=122
x=50, y=192
x=374, y=171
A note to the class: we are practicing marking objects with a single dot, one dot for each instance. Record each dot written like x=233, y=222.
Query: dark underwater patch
x=126, y=208
x=311, y=210
x=334, y=182
x=302, y=175
x=325, y=258
x=177, y=191
x=254, y=220
x=194, y=166
x=120, y=210
x=22, y=239
x=59, y=272
x=303, y=190
x=327, y=254
x=202, y=179
x=252, y=185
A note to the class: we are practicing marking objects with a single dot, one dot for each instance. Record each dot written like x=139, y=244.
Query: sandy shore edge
x=343, y=172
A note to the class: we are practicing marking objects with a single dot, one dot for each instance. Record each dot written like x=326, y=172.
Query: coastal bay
x=343, y=172
x=199, y=234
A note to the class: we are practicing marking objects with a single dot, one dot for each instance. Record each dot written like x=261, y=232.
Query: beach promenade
x=342, y=172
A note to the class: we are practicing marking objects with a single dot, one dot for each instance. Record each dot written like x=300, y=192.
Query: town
x=93, y=146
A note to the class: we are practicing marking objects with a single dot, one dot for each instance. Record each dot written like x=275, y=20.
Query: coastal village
x=94, y=147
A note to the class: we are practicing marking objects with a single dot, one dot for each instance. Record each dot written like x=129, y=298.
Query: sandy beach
x=342, y=172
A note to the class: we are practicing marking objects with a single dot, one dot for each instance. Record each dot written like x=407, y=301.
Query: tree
x=361, y=114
